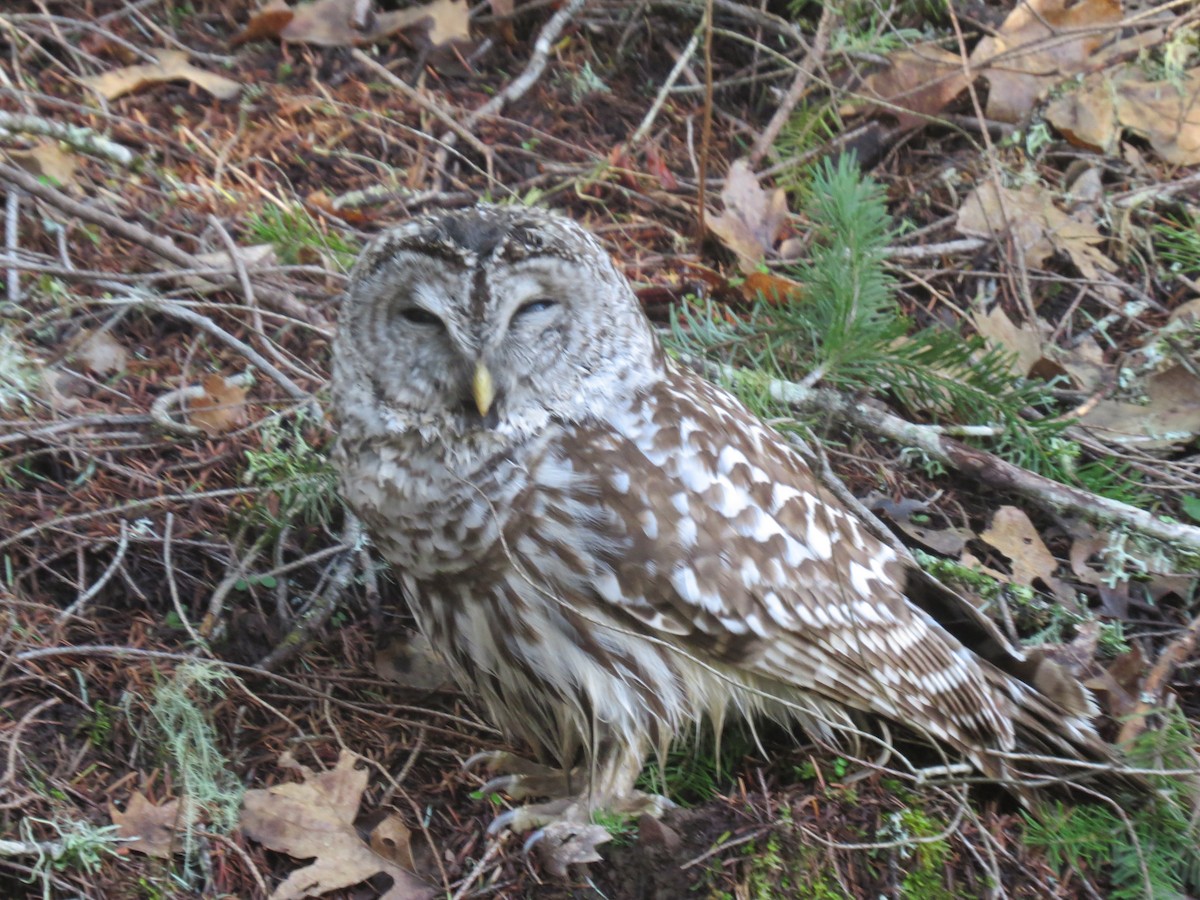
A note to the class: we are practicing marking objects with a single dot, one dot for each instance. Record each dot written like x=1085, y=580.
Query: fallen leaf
x=47, y=159
x=1035, y=225
x=101, y=352
x=1023, y=341
x=222, y=408
x=1170, y=417
x=148, y=828
x=1034, y=49
x=1165, y=113
x=172, y=65
x=917, y=84
x=1013, y=534
x=315, y=820
x=329, y=23
x=773, y=288
x=448, y=20
x=392, y=840
x=752, y=218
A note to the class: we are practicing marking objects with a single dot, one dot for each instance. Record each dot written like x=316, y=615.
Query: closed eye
x=419, y=316
x=539, y=305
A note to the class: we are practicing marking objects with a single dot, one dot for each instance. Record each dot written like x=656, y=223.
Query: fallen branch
x=80, y=138
x=1150, y=697
x=989, y=469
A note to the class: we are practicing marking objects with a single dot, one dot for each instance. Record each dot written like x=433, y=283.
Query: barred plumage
x=608, y=548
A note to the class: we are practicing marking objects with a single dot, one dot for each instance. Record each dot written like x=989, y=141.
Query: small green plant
x=620, y=826
x=78, y=845
x=1178, y=241
x=1150, y=848
x=584, y=82
x=924, y=853
x=297, y=238
x=294, y=471
x=847, y=332
x=190, y=741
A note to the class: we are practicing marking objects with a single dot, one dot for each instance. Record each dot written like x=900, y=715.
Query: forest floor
x=187, y=618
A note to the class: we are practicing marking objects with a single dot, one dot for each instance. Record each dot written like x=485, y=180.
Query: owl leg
x=575, y=794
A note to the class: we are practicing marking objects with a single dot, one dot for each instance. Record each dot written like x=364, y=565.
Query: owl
x=609, y=549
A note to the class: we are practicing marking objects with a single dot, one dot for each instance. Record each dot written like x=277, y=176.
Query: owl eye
x=419, y=316
x=539, y=305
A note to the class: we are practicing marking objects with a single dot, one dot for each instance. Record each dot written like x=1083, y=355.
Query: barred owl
x=609, y=549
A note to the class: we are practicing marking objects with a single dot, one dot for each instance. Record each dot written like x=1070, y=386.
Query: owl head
x=493, y=319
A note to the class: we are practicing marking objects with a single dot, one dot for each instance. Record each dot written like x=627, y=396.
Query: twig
x=663, y=92
x=82, y=139
x=705, y=126
x=174, y=310
x=925, y=251
x=422, y=101
x=1150, y=695
x=811, y=60
x=86, y=596
x=988, y=468
x=325, y=606
x=516, y=88
x=169, y=569
x=131, y=231
x=12, y=232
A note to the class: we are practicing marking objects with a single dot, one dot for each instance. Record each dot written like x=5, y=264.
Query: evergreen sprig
x=846, y=331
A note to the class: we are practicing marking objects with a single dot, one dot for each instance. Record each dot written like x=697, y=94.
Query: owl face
x=493, y=319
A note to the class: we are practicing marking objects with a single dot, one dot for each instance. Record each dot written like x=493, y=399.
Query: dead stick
x=799, y=85
x=160, y=246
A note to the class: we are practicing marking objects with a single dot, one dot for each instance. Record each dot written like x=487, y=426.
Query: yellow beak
x=483, y=389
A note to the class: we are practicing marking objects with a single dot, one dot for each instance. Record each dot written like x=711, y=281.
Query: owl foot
x=520, y=778
x=563, y=832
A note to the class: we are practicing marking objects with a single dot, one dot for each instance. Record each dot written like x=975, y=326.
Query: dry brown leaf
x=392, y=840
x=1169, y=418
x=146, y=827
x=917, y=83
x=752, y=219
x=315, y=820
x=1024, y=341
x=329, y=23
x=773, y=288
x=172, y=65
x=1027, y=55
x=222, y=408
x=47, y=159
x=102, y=353
x=1013, y=534
x=449, y=20
x=1087, y=117
x=1037, y=227
x=1165, y=113
x=564, y=844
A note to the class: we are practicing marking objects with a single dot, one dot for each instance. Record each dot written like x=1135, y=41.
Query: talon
x=484, y=756
x=532, y=840
x=501, y=822
x=501, y=784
